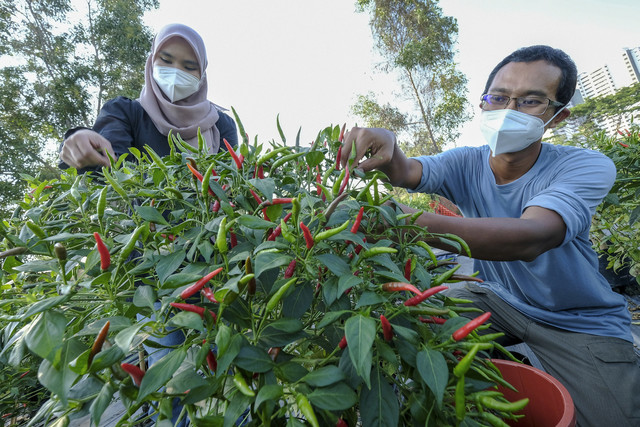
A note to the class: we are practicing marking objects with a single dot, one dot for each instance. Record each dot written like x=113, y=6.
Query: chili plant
x=304, y=297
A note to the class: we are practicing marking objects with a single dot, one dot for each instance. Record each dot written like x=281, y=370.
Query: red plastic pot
x=550, y=404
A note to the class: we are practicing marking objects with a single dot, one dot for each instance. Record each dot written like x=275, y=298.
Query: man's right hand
x=382, y=152
x=86, y=148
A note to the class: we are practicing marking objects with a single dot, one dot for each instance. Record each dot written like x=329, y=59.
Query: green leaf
x=184, y=381
x=180, y=279
x=253, y=222
x=360, y=332
x=634, y=215
x=383, y=409
x=145, y=296
x=160, y=372
x=331, y=317
x=228, y=355
x=267, y=260
x=37, y=266
x=60, y=379
x=101, y=402
x=282, y=332
x=337, y=397
x=46, y=334
x=335, y=264
x=106, y=358
x=296, y=304
x=253, y=359
x=268, y=392
x=126, y=336
x=188, y=320
x=348, y=281
x=370, y=298
x=434, y=372
x=324, y=376
x=314, y=158
x=168, y=264
x=45, y=305
x=151, y=214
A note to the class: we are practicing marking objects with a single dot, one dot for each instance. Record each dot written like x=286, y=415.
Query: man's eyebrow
x=530, y=92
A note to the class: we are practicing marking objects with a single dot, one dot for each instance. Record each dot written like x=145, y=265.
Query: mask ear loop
x=554, y=116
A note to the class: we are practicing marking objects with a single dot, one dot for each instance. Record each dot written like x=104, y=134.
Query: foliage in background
x=418, y=43
x=616, y=225
x=59, y=66
x=294, y=330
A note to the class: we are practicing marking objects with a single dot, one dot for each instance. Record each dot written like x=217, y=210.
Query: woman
x=174, y=98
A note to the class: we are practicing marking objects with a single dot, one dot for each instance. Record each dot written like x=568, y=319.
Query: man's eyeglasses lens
x=533, y=105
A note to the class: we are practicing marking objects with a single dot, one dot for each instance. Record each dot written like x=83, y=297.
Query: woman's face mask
x=175, y=83
x=509, y=131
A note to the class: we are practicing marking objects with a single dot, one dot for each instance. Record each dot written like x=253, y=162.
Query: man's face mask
x=509, y=131
x=175, y=83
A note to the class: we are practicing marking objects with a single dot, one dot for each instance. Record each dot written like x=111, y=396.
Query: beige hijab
x=189, y=114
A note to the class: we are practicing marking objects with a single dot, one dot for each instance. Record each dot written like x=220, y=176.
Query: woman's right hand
x=86, y=148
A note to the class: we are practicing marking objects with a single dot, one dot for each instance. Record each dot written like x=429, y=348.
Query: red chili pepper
x=169, y=237
x=208, y=293
x=432, y=319
x=233, y=239
x=274, y=352
x=256, y=197
x=259, y=172
x=386, y=328
x=280, y=200
x=136, y=373
x=623, y=144
x=215, y=207
x=341, y=423
x=308, y=238
x=233, y=154
x=196, y=287
x=356, y=224
x=275, y=233
x=97, y=344
x=195, y=172
x=211, y=359
x=470, y=326
x=338, y=157
x=192, y=308
x=400, y=286
x=266, y=216
x=407, y=270
x=341, y=137
x=288, y=273
x=344, y=182
x=105, y=256
x=343, y=342
x=424, y=295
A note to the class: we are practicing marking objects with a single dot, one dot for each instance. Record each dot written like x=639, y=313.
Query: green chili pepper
x=156, y=158
x=275, y=299
x=460, y=399
x=377, y=251
x=502, y=406
x=205, y=182
x=427, y=248
x=307, y=410
x=102, y=203
x=445, y=276
x=242, y=385
x=284, y=160
x=116, y=186
x=494, y=420
x=336, y=185
x=323, y=235
x=455, y=238
x=221, y=239
x=295, y=209
x=36, y=229
x=268, y=156
x=463, y=365
x=130, y=245
x=327, y=174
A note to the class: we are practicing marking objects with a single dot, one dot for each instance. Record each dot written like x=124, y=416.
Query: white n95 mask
x=508, y=131
x=175, y=83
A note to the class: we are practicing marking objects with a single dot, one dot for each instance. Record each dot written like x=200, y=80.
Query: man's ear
x=559, y=118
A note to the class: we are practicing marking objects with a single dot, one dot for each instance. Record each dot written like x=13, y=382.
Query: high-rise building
x=631, y=58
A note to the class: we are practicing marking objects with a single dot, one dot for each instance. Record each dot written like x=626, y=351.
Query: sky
x=306, y=61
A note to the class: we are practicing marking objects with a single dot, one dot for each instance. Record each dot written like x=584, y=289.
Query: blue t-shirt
x=562, y=287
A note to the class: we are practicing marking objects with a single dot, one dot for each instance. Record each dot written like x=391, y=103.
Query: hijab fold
x=187, y=115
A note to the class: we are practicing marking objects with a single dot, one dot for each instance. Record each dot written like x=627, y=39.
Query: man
x=527, y=209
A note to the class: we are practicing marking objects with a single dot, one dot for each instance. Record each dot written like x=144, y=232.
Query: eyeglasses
x=533, y=105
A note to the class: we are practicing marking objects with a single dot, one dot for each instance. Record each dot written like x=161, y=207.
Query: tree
x=61, y=64
x=417, y=41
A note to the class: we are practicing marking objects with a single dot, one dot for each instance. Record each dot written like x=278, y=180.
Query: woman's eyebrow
x=190, y=63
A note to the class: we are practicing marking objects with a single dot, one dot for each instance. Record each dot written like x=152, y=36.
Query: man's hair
x=557, y=57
